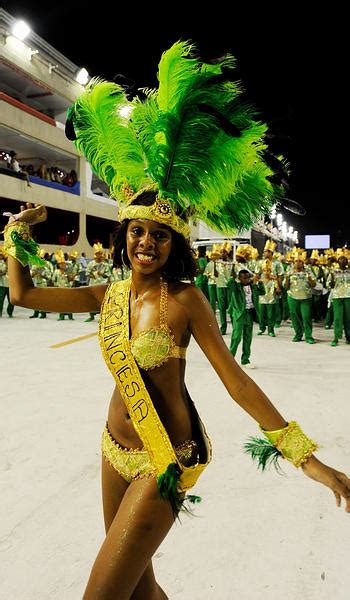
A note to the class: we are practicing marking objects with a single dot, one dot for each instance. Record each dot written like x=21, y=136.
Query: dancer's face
x=244, y=278
x=299, y=265
x=148, y=245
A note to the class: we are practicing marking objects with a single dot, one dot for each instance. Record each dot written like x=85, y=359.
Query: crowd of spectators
x=55, y=174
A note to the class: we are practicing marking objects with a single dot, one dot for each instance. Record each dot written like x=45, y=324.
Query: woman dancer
x=154, y=445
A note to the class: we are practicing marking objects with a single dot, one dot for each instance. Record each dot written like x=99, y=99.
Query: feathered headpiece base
x=162, y=211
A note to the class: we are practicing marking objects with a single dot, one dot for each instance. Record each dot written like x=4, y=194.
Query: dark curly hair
x=181, y=263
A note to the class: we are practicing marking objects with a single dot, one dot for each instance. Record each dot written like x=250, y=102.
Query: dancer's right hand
x=30, y=213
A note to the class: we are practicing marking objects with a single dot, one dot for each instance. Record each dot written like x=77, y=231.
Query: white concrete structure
x=37, y=86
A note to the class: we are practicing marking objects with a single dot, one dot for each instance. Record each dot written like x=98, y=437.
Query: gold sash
x=115, y=346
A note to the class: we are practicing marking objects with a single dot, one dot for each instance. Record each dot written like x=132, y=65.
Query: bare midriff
x=166, y=387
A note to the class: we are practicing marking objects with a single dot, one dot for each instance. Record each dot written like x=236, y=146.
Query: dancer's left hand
x=338, y=482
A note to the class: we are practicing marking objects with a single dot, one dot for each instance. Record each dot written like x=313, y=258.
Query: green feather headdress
x=192, y=139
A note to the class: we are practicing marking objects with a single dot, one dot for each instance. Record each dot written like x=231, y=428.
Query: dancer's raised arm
x=22, y=290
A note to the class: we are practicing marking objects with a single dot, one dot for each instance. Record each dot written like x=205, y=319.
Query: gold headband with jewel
x=161, y=211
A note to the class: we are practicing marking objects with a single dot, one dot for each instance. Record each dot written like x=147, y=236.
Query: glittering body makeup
x=154, y=347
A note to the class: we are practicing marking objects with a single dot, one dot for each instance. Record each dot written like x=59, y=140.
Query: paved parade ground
x=254, y=535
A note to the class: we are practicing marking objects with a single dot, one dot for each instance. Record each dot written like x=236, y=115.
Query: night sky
x=290, y=68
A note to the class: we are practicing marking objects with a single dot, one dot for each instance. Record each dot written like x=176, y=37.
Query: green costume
x=209, y=272
x=319, y=275
x=41, y=277
x=300, y=304
x=61, y=279
x=277, y=271
x=98, y=273
x=223, y=269
x=267, y=306
x=119, y=273
x=276, y=267
x=74, y=268
x=243, y=304
x=284, y=301
x=329, y=313
x=341, y=304
x=201, y=280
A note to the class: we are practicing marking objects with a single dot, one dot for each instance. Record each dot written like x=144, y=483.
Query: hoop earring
x=122, y=257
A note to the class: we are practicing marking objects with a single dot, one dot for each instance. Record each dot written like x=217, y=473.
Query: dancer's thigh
x=140, y=524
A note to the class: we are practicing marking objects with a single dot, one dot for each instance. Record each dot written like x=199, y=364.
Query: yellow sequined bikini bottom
x=134, y=463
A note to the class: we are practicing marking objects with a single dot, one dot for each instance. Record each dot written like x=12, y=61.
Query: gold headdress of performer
x=240, y=251
x=227, y=246
x=254, y=253
x=190, y=146
x=270, y=245
x=315, y=255
x=98, y=248
x=215, y=252
x=73, y=254
x=299, y=254
x=341, y=252
x=244, y=250
x=59, y=256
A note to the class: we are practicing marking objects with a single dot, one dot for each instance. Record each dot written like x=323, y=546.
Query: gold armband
x=292, y=443
x=19, y=244
x=20, y=226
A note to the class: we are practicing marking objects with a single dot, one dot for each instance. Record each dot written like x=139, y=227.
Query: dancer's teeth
x=145, y=257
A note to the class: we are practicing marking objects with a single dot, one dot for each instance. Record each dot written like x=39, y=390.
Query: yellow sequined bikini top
x=153, y=347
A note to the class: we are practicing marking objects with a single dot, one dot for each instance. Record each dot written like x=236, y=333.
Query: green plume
x=167, y=485
x=263, y=452
x=194, y=137
x=101, y=124
x=26, y=250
